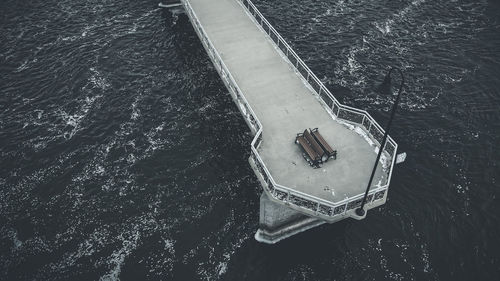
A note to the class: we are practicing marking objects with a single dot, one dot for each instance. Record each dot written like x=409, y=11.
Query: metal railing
x=354, y=116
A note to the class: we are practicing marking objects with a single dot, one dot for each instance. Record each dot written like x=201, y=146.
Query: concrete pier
x=280, y=97
x=277, y=221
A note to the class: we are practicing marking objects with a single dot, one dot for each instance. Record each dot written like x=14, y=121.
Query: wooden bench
x=316, y=146
x=326, y=147
x=314, y=157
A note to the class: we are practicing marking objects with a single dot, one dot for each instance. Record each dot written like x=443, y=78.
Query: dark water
x=123, y=156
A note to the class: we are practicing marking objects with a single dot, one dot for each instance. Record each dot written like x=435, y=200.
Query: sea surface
x=123, y=156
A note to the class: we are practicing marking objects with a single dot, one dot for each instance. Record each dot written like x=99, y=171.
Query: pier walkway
x=280, y=97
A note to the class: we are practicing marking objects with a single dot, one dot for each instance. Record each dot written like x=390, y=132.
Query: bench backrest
x=322, y=141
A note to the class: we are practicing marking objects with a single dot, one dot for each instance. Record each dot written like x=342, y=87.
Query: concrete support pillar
x=278, y=222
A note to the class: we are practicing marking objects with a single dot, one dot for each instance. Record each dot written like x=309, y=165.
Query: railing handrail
x=259, y=130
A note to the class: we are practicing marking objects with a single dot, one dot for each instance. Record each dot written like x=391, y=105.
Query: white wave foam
x=118, y=257
x=154, y=139
x=385, y=27
x=26, y=64
x=74, y=120
x=98, y=80
x=136, y=113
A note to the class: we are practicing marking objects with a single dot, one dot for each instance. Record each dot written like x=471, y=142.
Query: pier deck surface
x=285, y=106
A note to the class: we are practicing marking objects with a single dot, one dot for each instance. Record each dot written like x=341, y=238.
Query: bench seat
x=324, y=145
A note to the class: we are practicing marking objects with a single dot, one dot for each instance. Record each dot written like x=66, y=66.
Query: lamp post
x=385, y=85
